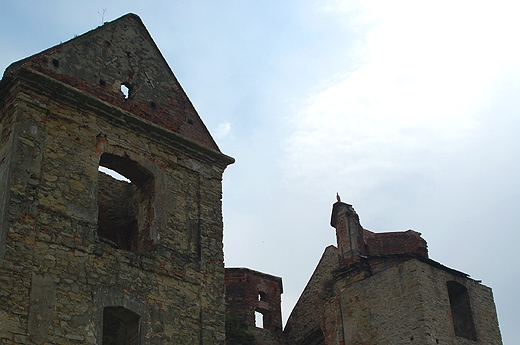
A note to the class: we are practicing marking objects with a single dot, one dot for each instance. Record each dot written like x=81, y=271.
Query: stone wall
x=438, y=312
x=86, y=259
x=404, y=304
x=383, y=289
x=7, y=115
x=58, y=275
x=307, y=318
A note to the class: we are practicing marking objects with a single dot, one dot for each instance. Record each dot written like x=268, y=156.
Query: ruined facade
x=373, y=288
x=381, y=288
x=86, y=258
x=253, y=299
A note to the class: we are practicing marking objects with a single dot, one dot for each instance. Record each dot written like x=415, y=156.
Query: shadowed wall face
x=461, y=313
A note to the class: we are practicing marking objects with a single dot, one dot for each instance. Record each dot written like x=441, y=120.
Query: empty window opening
x=262, y=296
x=315, y=338
x=125, y=191
x=126, y=89
x=259, y=319
x=120, y=326
x=461, y=311
x=56, y=63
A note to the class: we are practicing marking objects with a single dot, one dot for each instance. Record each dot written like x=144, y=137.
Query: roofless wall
x=86, y=258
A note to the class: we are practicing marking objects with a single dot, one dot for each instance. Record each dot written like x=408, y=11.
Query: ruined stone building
x=381, y=288
x=86, y=258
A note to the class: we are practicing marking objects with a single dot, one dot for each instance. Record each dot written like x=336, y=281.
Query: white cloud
x=222, y=131
x=419, y=88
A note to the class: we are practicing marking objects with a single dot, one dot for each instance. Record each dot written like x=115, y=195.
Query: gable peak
x=119, y=63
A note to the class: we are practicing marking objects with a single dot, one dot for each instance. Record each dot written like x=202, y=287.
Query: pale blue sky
x=411, y=111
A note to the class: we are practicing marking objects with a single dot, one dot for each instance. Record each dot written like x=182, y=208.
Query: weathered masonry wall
x=251, y=294
x=408, y=303
x=58, y=276
x=442, y=317
x=88, y=259
x=248, y=291
x=381, y=288
x=306, y=322
x=7, y=112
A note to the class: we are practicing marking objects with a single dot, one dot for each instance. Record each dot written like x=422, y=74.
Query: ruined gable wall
x=307, y=317
x=53, y=252
x=118, y=53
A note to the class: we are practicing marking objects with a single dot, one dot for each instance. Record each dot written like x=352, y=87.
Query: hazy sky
x=410, y=110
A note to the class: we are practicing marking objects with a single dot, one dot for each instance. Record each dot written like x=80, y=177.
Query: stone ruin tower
x=86, y=258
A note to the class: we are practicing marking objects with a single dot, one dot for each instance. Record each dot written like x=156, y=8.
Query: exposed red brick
x=88, y=64
x=402, y=242
x=248, y=291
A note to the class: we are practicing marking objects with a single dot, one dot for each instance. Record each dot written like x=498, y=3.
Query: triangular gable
x=304, y=319
x=122, y=52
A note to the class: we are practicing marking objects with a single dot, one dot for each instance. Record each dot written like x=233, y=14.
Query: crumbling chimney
x=349, y=233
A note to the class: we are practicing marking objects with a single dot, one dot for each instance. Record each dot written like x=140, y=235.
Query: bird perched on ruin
x=338, y=197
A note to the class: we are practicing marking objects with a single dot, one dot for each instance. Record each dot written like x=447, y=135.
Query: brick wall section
x=355, y=243
x=248, y=291
x=243, y=290
x=402, y=242
x=349, y=233
x=435, y=294
x=52, y=138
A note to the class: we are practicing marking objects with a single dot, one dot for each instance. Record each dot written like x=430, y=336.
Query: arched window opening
x=125, y=191
x=316, y=337
x=461, y=311
x=120, y=326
